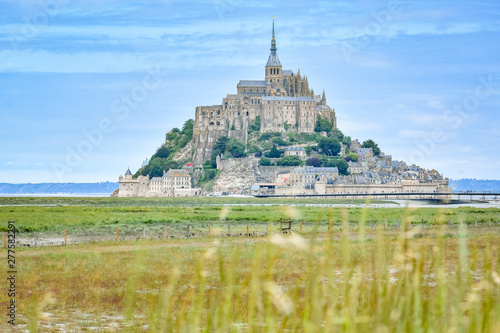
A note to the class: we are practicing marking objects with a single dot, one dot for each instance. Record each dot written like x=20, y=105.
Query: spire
x=273, y=40
x=323, y=98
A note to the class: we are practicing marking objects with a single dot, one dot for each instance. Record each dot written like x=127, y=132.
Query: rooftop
x=252, y=83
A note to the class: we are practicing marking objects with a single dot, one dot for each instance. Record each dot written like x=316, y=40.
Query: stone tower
x=283, y=102
x=274, y=73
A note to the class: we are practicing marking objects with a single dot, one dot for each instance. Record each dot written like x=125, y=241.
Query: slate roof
x=273, y=59
x=156, y=179
x=295, y=149
x=327, y=170
x=293, y=99
x=252, y=83
x=287, y=72
x=128, y=173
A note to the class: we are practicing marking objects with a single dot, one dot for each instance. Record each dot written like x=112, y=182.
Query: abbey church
x=283, y=100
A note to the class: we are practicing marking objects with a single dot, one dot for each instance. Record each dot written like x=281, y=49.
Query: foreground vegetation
x=77, y=214
x=363, y=281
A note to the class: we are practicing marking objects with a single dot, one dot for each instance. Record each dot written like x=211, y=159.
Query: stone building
x=130, y=187
x=296, y=151
x=173, y=183
x=282, y=101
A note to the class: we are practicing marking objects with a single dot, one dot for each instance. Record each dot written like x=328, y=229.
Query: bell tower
x=273, y=67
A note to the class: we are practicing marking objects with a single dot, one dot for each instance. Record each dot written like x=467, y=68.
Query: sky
x=89, y=88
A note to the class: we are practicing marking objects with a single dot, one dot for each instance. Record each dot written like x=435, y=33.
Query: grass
x=81, y=218
x=321, y=282
x=345, y=279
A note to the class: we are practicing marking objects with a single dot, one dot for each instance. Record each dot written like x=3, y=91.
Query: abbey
x=282, y=101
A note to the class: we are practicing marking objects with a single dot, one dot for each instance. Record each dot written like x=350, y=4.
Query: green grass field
x=432, y=279
x=80, y=214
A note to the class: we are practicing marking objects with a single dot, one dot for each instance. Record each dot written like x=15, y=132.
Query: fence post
x=475, y=222
x=188, y=235
x=165, y=227
x=248, y=230
x=422, y=223
x=117, y=234
x=490, y=221
x=372, y=224
x=65, y=237
x=90, y=231
x=36, y=241
x=398, y=223
x=229, y=230
x=300, y=226
x=4, y=240
x=209, y=231
x=435, y=222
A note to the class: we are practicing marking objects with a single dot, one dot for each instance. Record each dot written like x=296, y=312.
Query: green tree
x=337, y=134
x=347, y=140
x=289, y=161
x=329, y=146
x=219, y=148
x=155, y=167
x=351, y=157
x=323, y=159
x=162, y=152
x=279, y=141
x=236, y=148
x=308, y=150
x=264, y=161
x=255, y=126
x=371, y=144
x=274, y=153
x=323, y=125
x=341, y=164
x=187, y=129
x=313, y=161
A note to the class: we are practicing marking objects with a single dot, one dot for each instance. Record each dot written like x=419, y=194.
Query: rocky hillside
x=237, y=176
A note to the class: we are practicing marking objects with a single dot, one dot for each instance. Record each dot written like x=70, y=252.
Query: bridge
x=406, y=196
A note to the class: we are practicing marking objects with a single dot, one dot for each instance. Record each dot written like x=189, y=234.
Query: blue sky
x=421, y=78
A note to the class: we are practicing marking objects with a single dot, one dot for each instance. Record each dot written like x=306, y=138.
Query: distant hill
x=478, y=185
x=102, y=188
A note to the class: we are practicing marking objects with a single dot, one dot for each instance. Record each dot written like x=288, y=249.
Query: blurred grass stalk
x=394, y=281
